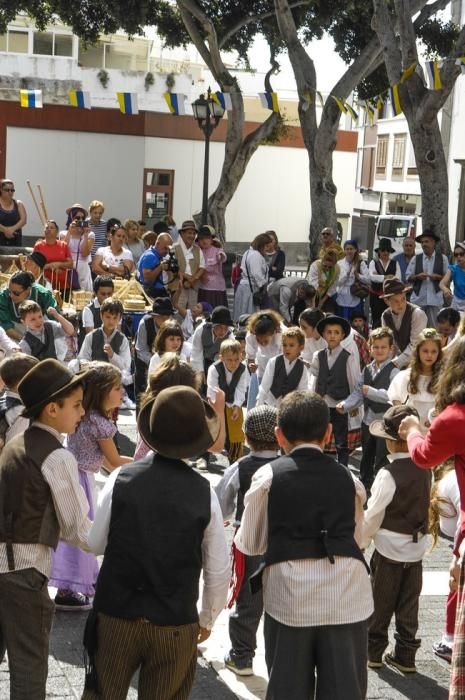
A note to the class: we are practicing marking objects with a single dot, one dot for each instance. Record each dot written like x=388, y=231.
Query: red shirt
x=57, y=252
x=445, y=439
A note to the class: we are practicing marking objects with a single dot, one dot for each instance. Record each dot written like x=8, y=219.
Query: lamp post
x=208, y=113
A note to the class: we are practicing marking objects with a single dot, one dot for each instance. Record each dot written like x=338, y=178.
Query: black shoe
x=73, y=601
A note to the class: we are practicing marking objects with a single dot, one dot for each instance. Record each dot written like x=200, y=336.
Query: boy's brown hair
x=232, y=346
x=28, y=307
x=112, y=306
x=13, y=368
x=379, y=333
x=294, y=332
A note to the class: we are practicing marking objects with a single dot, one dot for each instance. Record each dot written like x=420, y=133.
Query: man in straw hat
x=191, y=264
x=406, y=320
x=426, y=270
x=41, y=502
x=159, y=524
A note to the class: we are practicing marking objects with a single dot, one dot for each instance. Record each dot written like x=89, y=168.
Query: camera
x=172, y=263
x=81, y=224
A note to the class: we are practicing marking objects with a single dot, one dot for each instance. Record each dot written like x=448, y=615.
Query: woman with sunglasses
x=456, y=275
x=80, y=240
x=115, y=259
x=58, y=268
x=12, y=215
x=21, y=287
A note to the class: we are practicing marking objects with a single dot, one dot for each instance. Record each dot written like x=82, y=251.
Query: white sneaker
x=128, y=403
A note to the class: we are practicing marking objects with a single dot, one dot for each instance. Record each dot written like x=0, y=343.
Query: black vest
x=248, y=465
x=6, y=402
x=438, y=269
x=390, y=270
x=150, y=330
x=283, y=383
x=210, y=345
x=98, y=342
x=381, y=381
x=95, y=314
x=333, y=382
x=401, y=336
x=407, y=513
x=311, y=509
x=153, y=559
x=39, y=349
x=229, y=389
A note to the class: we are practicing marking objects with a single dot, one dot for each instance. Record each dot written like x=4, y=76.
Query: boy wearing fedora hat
x=426, y=271
x=41, y=502
x=191, y=264
x=159, y=524
x=379, y=268
x=334, y=375
x=406, y=320
x=397, y=520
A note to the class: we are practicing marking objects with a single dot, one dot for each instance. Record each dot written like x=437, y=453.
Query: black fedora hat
x=163, y=307
x=178, y=423
x=388, y=426
x=392, y=286
x=38, y=258
x=221, y=315
x=334, y=321
x=44, y=383
x=385, y=244
x=428, y=233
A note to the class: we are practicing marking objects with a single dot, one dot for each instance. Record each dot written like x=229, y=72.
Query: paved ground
x=214, y=682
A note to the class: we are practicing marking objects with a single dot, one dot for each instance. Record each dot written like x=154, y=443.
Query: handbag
x=358, y=288
x=260, y=295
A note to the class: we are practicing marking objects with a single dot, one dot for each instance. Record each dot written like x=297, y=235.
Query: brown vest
x=401, y=336
x=408, y=511
x=27, y=512
x=195, y=263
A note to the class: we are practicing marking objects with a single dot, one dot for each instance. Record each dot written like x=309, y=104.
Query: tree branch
x=215, y=63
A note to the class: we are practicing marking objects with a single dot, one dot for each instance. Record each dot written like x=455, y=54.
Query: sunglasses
x=14, y=293
x=8, y=189
x=79, y=218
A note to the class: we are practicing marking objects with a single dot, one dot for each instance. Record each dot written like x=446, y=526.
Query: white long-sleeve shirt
x=215, y=555
x=352, y=368
x=241, y=388
x=377, y=278
x=260, y=354
x=264, y=395
x=122, y=359
x=197, y=347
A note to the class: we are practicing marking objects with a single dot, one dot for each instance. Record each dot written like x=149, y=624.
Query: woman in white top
x=417, y=384
x=80, y=240
x=254, y=276
x=114, y=259
x=351, y=268
x=379, y=269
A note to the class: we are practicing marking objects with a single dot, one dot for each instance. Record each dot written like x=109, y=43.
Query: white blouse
x=423, y=400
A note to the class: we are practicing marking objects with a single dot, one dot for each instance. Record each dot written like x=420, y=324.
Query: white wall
x=457, y=150
x=75, y=167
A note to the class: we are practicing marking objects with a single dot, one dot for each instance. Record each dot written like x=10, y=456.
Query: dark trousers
x=377, y=306
x=325, y=663
x=26, y=615
x=140, y=379
x=374, y=453
x=396, y=591
x=244, y=620
x=340, y=423
x=166, y=657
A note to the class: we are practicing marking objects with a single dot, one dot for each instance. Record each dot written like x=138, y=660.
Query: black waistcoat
x=153, y=559
x=408, y=511
x=95, y=314
x=333, y=382
x=438, y=269
x=98, y=341
x=229, y=389
x=390, y=270
x=284, y=383
x=381, y=381
x=248, y=465
x=39, y=349
x=401, y=336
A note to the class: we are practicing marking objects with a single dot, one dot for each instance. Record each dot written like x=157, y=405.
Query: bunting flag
x=352, y=112
x=127, y=102
x=269, y=100
x=461, y=62
x=320, y=97
x=31, y=99
x=340, y=104
x=78, y=98
x=434, y=78
x=175, y=102
x=379, y=102
x=395, y=100
x=408, y=72
x=223, y=99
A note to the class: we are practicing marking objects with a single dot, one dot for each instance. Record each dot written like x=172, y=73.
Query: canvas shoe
x=375, y=664
x=239, y=667
x=391, y=660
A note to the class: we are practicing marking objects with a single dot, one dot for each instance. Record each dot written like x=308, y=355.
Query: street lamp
x=208, y=113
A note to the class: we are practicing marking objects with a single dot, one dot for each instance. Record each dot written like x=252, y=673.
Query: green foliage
x=149, y=80
x=280, y=131
x=439, y=38
x=103, y=77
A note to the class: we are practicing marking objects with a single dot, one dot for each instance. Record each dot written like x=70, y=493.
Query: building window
x=381, y=155
x=411, y=163
x=17, y=42
x=158, y=195
x=398, y=157
x=52, y=44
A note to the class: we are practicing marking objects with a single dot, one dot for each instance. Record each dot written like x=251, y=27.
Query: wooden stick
x=28, y=182
x=42, y=203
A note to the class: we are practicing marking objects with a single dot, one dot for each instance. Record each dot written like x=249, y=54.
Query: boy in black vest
x=286, y=372
x=103, y=289
x=108, y=344
x=44, y=338
x=207, y=339
x=230, y=374
x=335, y=372
x=371, y=391
x=159, y=524
x=162, y=310
x=12, y=370
x=301, y=512
x=41, y=502
x=397, y=520
x=243, y=622
x=404, y=319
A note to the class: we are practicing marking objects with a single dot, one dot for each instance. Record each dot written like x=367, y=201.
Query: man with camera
x=153, y=263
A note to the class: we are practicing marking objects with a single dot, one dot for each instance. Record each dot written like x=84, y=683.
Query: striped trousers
x=166, y=657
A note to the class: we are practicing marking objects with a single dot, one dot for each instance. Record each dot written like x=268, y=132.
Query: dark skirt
x=213, y=297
